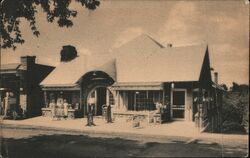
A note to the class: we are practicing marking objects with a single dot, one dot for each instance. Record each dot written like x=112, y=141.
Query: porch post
x=200, y=107
x=45, y=98
x=95, y=101
x=135, y=101
x=107, y=96
x=163, y=96
x=171, y=100
x=80, y=101
x=116, y=99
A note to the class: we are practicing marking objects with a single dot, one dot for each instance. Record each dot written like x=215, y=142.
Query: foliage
x=12, y=11
x=235, y=108
x=241, y=88
x=224, y=86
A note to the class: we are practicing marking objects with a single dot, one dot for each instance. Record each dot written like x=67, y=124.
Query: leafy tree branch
x=12, y=11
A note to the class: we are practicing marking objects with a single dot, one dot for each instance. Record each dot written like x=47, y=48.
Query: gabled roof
x=140, y=60
x=164, y=65
x=138, y=47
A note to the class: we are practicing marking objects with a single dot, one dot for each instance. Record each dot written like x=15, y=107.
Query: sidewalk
x=119, y=127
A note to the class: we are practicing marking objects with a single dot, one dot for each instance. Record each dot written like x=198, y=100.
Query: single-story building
x=22, y=80
x=135, y=77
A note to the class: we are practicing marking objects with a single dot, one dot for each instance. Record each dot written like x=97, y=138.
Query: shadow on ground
x=70, y=146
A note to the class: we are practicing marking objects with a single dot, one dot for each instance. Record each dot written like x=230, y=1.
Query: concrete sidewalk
x=175, y=128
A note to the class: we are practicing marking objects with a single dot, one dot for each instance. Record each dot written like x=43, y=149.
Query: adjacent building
x=137, y=76
x=22, y=80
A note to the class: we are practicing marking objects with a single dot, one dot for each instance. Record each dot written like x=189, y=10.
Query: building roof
x=11, y=66
x=140, y=60
x=139, y=47
x=164, y=65
x=69, y=73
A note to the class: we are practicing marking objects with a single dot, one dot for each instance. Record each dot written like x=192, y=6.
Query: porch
x=185, y=101
x=64, y=101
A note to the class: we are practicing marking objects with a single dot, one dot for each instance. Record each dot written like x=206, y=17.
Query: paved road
x=17, y=143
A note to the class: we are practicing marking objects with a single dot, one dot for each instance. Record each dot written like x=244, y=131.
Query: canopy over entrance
x=94, y=86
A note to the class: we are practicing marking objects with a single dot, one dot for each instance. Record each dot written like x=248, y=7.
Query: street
x=20, y=143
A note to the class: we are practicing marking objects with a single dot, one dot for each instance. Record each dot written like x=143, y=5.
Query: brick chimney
x=216, y=77
x=27, y=61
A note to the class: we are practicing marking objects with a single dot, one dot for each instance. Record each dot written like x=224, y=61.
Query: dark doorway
x=178, y=104
x=101, y=99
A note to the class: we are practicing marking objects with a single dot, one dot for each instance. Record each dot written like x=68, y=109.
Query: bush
x=232, y=127
x=235, y=111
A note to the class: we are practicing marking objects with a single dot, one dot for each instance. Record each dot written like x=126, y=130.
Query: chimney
x=27, y=61
x=68, y=53
x=216, y=77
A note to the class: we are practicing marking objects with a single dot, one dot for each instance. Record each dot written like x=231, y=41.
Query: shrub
x=235, y=111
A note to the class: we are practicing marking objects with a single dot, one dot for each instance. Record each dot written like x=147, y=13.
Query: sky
x=223, y=25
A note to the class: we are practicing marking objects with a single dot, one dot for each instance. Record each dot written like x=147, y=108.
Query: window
x=145, y=100
x=131, y=100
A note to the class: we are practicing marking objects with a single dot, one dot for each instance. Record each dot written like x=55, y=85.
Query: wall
x=189, y=105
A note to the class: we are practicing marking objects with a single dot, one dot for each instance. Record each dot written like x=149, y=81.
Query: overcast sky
x=223, y=25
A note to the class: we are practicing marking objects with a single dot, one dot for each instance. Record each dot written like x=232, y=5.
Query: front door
x=101, y=99
x=178, y=107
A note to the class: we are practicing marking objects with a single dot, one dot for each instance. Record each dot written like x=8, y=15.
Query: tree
x=12, y=11
x=235, y=109
x=225, y=87
x=242, y=88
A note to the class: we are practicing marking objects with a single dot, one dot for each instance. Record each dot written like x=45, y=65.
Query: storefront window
x=146, y=100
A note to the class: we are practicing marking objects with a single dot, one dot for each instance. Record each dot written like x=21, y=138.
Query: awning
x=71, y=87
x=138, y=86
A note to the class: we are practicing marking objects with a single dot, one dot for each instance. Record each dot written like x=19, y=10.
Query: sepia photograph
x=124, y=78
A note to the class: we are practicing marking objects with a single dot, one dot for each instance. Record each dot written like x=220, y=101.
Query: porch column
x=80, y=102
x=117, y=100
x=135, y=101
x=171, y=100
x=200, y=107
x=163, y=96
x=107, y=96
x=95, y=102
x=45, y=99
x=189, y=102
